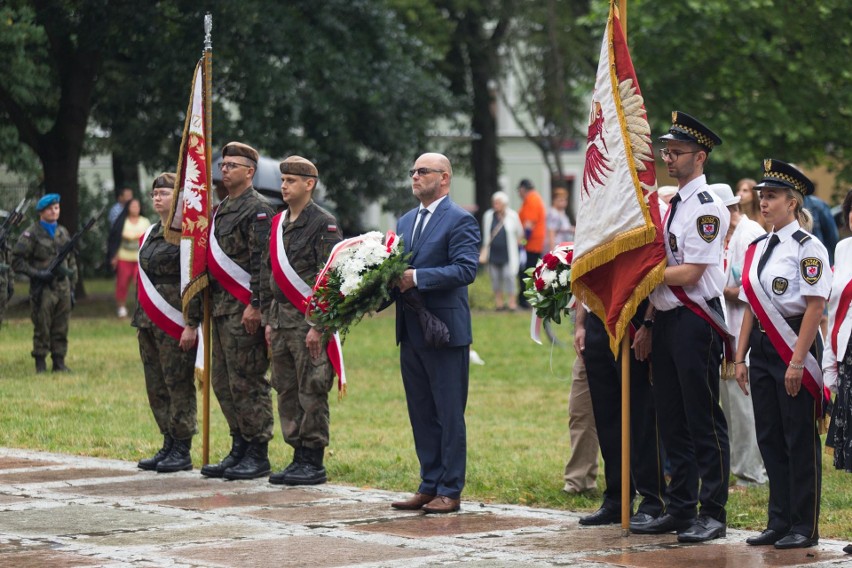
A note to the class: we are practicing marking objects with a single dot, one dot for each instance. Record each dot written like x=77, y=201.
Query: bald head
x=432, y=174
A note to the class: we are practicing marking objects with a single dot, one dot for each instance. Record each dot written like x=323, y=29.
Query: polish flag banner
x=619, y=257
x=189, y=222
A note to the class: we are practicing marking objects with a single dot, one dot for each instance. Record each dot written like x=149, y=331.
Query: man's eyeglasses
x=228, y=166
x=162, y=194
x=673, y=155
x=423, y=171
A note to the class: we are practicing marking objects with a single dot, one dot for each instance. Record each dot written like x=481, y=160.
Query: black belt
x=794, y=321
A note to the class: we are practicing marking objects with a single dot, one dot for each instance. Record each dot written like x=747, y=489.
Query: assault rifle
x=46, y=276
x=12, y=220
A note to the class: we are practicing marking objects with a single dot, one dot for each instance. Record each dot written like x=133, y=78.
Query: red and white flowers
x=548, y=288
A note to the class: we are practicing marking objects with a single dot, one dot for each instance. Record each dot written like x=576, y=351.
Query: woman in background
x=501, y=230
x=125, y=262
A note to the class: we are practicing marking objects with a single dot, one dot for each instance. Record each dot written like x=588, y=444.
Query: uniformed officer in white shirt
x=792, y=269
x=687, y=348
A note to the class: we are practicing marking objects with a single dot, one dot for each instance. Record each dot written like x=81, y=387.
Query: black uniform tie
x=672, y=208
x=773, y=242
x=423, y=212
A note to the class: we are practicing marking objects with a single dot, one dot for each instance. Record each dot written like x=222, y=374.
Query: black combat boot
x=298, y=458
x=311, y=472
x=59, y=364
x=178, y=459
x=150, y=464
x=254, y=464
x=41, y=364
x=238, y=450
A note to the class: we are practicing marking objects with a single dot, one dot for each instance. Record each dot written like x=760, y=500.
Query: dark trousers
x=436, y=385
x=646, y=458
x=789, y=442
x=686, y=356
x=532, y=260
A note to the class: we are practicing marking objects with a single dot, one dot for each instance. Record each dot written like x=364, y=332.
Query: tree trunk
x=125, y=172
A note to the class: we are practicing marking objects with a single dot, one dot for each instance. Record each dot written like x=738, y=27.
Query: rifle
x=13, y=219
x=37, y=284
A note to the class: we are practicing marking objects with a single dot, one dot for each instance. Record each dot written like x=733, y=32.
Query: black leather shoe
x=702, y=529
x=310, y=471
x=150, y=464
x=640, y=520
x=253, y=465
x=238, y=450
x=848, y=549
x=178, y=459
x=765, y=538
x=795, y=540
x=663, y=524
x=602, y=516
x=277, y=478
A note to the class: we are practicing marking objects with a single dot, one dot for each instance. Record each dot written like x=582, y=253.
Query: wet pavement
x=67, y=511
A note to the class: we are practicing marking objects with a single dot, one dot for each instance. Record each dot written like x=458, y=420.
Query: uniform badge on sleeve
x=332, y=228
x=779, y=285
x=672, y=242
x=811, y=269
x=262, y=216
x=708, y=227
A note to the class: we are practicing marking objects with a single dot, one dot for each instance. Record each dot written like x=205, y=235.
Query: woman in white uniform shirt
x=786, y=280
x=837, y=360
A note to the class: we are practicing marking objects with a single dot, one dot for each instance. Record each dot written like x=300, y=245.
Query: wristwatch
x=255, y=302
x=649, y=323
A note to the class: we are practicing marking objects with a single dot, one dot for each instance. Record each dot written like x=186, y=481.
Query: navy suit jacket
x=446, y=257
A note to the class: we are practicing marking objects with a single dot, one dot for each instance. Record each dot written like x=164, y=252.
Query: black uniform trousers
x=788, y=439
x=686, y=355
x=646, y=456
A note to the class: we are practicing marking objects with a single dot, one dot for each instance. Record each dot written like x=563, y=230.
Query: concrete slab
x=77, y=519
x=713, y=555
x=9, y=462
x=572, y=540
x=330, y=514
x=297, y=552
x=45, y=475
x=260, y=498
x=11, y=499
x=153, y=485
x=450, y=525
x=156, y=536
x=46, y=559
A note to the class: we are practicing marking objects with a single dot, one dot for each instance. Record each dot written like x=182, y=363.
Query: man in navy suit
x=444, y=241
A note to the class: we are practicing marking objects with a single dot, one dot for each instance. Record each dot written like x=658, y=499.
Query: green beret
x=297, y=165
x=240, y=149
x=165, y=179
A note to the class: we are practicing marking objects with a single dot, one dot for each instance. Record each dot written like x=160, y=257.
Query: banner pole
x=208, y=134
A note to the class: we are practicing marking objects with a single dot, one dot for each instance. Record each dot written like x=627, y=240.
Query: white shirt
x=425, y=220
x=842, y=276
x=794, y=271
x=744, y=234
x=695, y=235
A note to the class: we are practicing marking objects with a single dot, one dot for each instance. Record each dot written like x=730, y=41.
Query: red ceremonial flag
x=618, y=249
x=189, y=221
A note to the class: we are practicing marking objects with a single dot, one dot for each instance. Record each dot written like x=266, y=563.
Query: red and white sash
x=840, y=317
x=699, y=306
x=161, y=313
x=225, y=271
x=779, y=332
x=298, y=292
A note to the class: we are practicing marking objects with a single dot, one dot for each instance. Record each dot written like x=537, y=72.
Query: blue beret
x=47, y=201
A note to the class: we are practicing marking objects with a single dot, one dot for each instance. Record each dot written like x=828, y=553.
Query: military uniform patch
x=672, y=242
x=708, y=227
x=779, y=285
x=811, y=270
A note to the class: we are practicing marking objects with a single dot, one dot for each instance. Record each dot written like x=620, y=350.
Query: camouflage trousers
x=240, y=362
x=5, y=276
x=50, y=321
x=302, y=384
x=170, y=382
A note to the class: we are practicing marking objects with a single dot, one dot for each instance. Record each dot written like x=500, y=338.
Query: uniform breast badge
x=673, y=242
x=779, y=285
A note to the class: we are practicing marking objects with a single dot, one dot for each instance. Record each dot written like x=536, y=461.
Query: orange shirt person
x=533, y=216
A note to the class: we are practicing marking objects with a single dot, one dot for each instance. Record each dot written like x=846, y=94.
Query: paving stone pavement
x=67, y=511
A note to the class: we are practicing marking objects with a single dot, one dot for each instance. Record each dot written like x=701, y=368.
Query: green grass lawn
x=517, y=416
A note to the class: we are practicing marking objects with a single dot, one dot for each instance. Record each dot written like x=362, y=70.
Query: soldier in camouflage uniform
x=51, y=295
x=239, y=348
x=302, y=373
x=7, y=279
x=169, y=362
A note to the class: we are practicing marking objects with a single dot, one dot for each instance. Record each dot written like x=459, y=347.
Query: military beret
x=46, y=201
x=165, y=179
x=688, y=129
x=780, y=174
x=240, y=149
x=299, y=166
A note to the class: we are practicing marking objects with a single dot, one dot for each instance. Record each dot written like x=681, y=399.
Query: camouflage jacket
x=242, y=230
x=161, y=262
x=35, y=250
x=308, y=242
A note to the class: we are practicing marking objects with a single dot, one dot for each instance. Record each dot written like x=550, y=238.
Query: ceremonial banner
x=188, y=224
x=618, y=249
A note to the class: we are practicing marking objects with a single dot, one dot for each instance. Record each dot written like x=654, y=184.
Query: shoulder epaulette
x=801, y=236
x=705, y=197
x=758, y=239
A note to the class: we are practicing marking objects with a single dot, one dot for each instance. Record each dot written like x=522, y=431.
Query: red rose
x=569, y=258
x=539, y=284
x=551, y=261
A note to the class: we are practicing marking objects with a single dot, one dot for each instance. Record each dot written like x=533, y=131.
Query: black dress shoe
x=795, y=540
x=602, y=516
x=848, y=549
x=640, y=520
x=662, y=524
x=765, y=538
x=703, y=528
